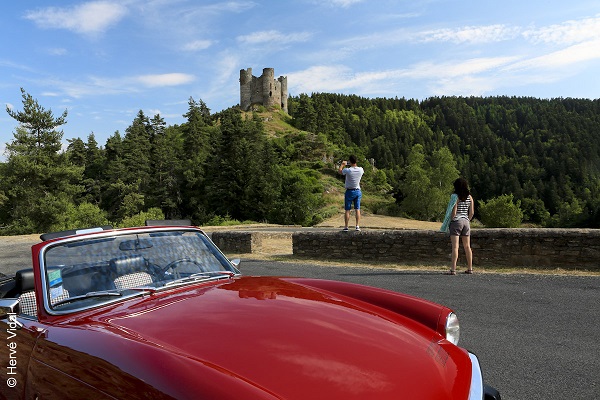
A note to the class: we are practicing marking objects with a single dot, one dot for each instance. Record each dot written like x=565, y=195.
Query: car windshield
x=92, y=270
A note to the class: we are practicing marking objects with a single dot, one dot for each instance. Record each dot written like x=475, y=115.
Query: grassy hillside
x=277, y=124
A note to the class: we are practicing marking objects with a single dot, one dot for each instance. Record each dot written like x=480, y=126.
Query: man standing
x=353, y=193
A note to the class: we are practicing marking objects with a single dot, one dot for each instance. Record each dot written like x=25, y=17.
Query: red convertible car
x=159, y=312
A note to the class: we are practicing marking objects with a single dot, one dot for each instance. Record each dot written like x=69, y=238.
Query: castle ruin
x=265, y=90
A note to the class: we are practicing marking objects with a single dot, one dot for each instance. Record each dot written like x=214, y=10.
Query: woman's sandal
x=469, y=271
x=451, y=272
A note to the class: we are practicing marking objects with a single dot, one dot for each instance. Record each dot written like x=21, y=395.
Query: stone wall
x=547, y=248
x=242, y=242
x=537, y=248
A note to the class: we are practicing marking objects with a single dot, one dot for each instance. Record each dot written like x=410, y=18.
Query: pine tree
x=136, y=153
x=40, y=182
x=166, y=165
x=94, y=170
x=198, y=136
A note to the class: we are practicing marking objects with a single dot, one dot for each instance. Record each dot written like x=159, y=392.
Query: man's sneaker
x=345, y=229
x=357, y=228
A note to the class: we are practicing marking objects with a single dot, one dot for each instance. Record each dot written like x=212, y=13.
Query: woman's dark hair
x=461, y=188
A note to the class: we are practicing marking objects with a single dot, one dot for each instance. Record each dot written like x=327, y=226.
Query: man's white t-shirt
x=353, y=175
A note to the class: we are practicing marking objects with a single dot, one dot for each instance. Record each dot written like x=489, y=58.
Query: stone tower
x=265, y=90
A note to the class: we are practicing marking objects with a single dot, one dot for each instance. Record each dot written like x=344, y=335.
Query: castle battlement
x=264, y=90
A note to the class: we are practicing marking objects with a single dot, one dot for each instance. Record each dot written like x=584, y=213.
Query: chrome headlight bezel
x=452, y=328
x=476, y=391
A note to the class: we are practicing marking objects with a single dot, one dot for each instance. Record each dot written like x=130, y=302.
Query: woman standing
x=459, y=213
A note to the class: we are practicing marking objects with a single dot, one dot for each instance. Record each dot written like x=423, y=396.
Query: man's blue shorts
x=352, y=196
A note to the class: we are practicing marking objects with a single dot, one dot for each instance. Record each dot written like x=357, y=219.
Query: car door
x=18, y=335
x=33, y=367
x=55, y=371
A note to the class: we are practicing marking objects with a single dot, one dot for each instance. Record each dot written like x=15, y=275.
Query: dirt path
x=374, y=221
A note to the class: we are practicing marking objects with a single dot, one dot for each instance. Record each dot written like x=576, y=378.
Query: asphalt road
x=536, y=336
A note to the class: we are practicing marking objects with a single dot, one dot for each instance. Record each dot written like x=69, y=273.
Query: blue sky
x=103, y=61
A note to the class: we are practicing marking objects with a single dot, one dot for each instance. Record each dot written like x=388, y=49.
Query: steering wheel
x=173, y=265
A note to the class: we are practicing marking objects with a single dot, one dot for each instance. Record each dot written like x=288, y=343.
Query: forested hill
x=268, y=166
x=544, y=152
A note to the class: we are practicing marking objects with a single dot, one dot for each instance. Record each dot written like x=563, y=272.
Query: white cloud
x=227, y=68
x=567, y=33
x=338, y=3
x=57, y=51
x=470, y=34
x=159, y=80
x=453, y=69
x=197, y=45
x=339, y=78
x=343, y=3
x=467, y=85
x=571, y=56
x=464, y=35
x=183, y=21
x=273, y=36
x=230, y=6
x=322, y=78
x=88, y=18
x=99, y=86
x=10, y=64
x=224, y=79
x=154, y=111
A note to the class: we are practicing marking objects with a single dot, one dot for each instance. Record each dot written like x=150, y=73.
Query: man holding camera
x=353, y=193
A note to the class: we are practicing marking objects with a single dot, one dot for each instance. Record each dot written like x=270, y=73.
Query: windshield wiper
x=201, y=276
x=87, y=296
x=142, y=288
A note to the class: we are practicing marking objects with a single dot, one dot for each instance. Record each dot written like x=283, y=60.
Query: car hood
x=297, y=342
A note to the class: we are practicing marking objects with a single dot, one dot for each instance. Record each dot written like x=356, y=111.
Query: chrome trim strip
x=476, y=390
x=106, y=303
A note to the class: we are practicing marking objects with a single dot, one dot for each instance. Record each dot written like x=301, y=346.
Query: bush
x=218, y=220
x=501, y=212
x=140, y=218
x=569, y=214
x=85, y=215
x=325, y=213
x=301, y=197
x=534, y=211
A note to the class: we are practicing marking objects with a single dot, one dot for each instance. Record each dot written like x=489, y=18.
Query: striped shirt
x=462, y=209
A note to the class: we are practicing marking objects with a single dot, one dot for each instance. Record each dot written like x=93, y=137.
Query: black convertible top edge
x=71, y=232
x=168, y=222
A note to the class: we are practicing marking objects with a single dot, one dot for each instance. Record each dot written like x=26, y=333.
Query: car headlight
x=452, y=328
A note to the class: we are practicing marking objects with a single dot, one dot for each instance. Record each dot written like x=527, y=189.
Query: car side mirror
x=8, y=307
x=8, y=312
x=236, y=262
